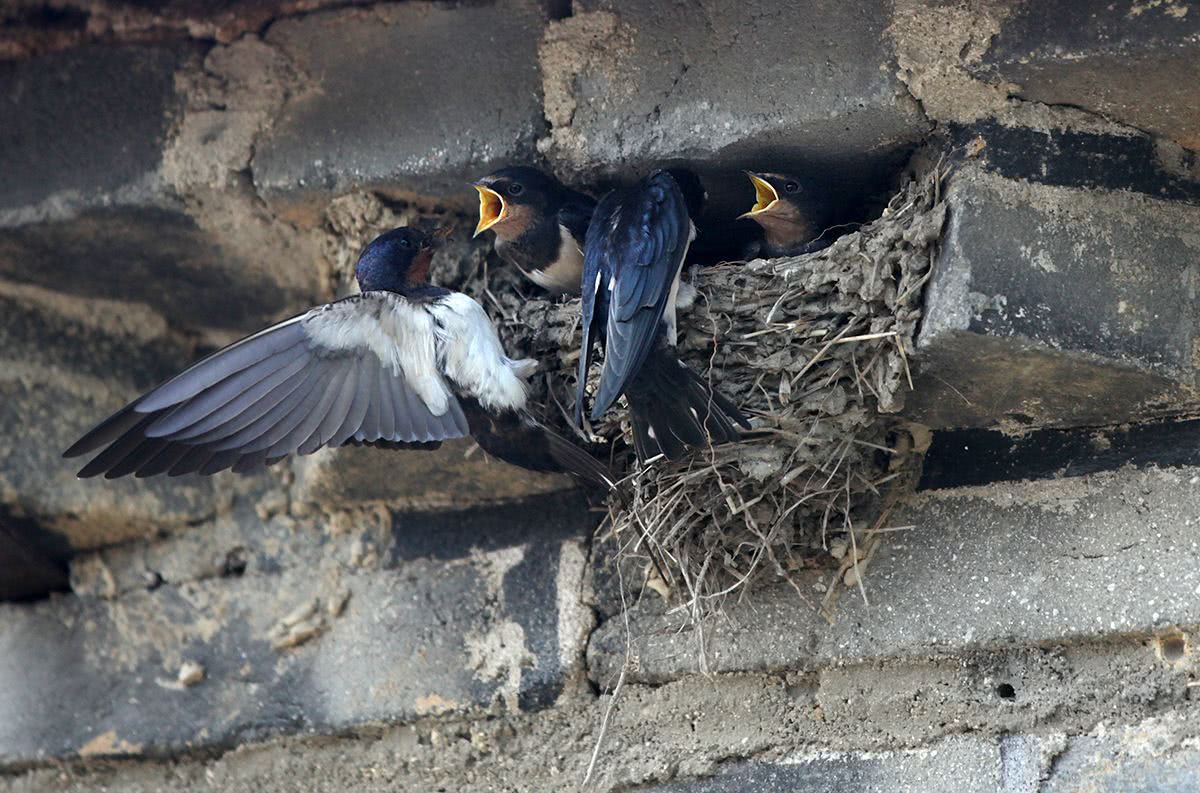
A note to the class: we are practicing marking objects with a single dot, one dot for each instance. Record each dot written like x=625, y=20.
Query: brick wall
x=404, y=621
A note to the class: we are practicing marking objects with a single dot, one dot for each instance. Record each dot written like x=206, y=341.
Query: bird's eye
x=791, y=187
x=404, y=243
x=516, y=188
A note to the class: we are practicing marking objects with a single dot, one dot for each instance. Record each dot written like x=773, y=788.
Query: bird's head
x=694, y=194
x=777, y=195
x=783, y=204
x=511, y=199
x=396, y=260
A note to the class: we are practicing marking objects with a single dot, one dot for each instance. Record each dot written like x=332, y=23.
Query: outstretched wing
x=362, y=369
x=639, y=238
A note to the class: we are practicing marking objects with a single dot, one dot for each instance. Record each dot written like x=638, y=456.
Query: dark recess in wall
x=453, y=535
x=34, y=562
x=961, y=458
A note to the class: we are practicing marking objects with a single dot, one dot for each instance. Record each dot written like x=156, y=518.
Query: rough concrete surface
x=1057, y=306
x=1016, y=564
x=1132, y=61
x=458, y=473
x=176, y=174
x=297, y=627
x=393, y=117
x=754, y=85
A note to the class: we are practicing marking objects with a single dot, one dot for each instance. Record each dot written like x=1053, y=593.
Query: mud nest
x=815, y=349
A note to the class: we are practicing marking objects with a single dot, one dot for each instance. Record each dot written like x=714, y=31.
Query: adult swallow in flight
x=790, y=213
x=404, y=363
x=540, y=225
x=636, y=245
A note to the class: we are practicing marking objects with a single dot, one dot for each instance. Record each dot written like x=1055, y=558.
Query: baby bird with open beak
x=540, y=225
x=790, y=213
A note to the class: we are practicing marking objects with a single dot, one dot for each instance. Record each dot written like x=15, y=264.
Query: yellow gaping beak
x=492, y=209
x=764, y=195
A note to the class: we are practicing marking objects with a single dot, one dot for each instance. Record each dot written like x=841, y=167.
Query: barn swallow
x=540, y=225
x=401, y=364
x=790, y=213
x=636, y=246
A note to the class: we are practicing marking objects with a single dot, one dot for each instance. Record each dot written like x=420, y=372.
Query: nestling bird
x=539, y=223
x=404, y=363
x=790, y=213
x=636, y=245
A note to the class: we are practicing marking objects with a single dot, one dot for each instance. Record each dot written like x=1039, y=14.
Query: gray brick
x=407, y=98
x=86, y=124
x=85, y=208
x=758, y=84
x=151, y=255
x=38, y=484
x=65, y=364
x=443, y=479
x=1112, y=554
x=491, y=618
x=1137, y=64
x=961, y=765
x=1059, y=305
x=1157, y=756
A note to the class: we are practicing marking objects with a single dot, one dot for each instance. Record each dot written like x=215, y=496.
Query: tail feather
x=520, y=440
x=573, y=460
x=672, y=408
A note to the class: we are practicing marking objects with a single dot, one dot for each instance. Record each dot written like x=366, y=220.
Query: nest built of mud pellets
x=813, y=348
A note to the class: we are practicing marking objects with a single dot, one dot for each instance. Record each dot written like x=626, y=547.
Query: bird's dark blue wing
x=637, y=242
x=361, y=369
x=575, y=213
x=593, y=303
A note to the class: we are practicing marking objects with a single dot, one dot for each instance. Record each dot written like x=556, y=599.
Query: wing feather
x=387, y=408
x=162, y=462
x=636, y=243
x=363, y=368
x=369, y=431
x=216, y=396
x=289, y=433
x=273, y=394
x=224, y=363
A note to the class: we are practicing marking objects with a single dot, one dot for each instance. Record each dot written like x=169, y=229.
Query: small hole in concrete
x=1006, y=691
x=234, y=564
x=1172, y=648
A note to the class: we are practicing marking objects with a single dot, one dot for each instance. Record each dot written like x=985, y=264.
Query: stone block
x=66, y=364
x=310, y=632
x=51, y=411
x=86, y=125
x=764, y=85
x=90, y=206
x=1017, y=565
x=957, y=764
x=1062, y=296
x=1158, y=755
x=452, y=477
x=155, y=256
x=407, y=98
x=1136, y=63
